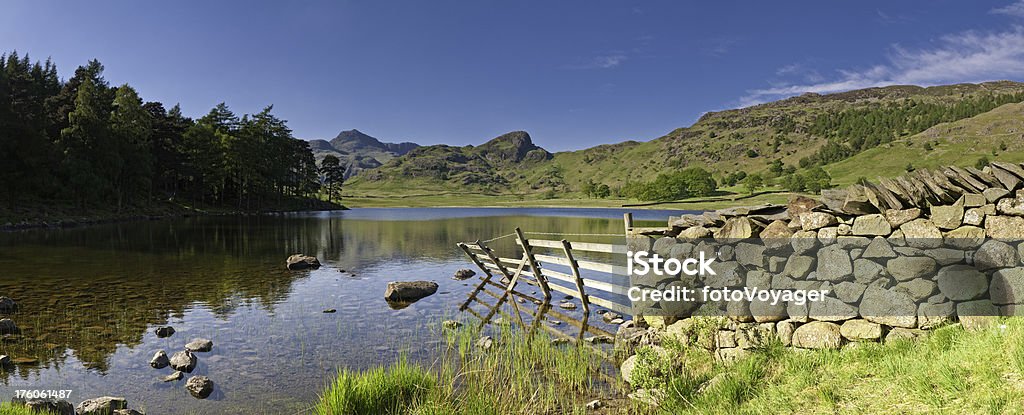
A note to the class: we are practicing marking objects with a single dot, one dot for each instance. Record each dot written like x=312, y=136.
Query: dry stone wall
x=911, y=253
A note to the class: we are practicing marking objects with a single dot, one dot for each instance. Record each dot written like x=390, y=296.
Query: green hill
x=852, y=134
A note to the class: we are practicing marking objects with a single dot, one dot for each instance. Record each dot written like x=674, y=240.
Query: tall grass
x=8, y=408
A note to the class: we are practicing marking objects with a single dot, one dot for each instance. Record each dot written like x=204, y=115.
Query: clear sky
x=572, y=73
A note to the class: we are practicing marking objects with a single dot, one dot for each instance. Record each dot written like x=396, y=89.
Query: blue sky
x=573, y=73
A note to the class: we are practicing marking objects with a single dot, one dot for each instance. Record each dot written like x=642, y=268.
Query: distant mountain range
x=359, y=151
x=857, y=134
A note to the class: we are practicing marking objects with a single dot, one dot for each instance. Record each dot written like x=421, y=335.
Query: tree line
x=85, y=142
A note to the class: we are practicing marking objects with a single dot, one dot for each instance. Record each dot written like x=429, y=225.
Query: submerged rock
x=160, y=360
x=173, y=377
x=199, y=345
x=184, y=361
x=164, y=332
x=7, y=305
x=464, y=274
x=7, y=326
x=301, y=261
x=101, y=406
x=409, y=291
x=199, y=386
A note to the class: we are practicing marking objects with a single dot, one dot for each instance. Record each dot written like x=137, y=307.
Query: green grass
x=7, y=408
x=391, y=390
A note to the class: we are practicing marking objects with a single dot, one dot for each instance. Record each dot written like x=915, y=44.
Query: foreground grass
x=7, y=408
x=951, y=371
x=516, y=375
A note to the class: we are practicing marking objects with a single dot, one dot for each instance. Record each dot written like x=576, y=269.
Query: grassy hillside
x=862, y=133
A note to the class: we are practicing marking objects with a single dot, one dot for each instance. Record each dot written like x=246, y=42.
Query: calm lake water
x=91, y=298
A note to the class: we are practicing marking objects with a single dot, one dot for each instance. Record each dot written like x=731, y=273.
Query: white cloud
x=963, y=57
x=1013, y=9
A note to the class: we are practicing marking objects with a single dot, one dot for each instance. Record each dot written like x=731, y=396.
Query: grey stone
x=47, y=406
x=404, y=291
x=871, y=225
x=865, y=271
x=160, y=360
x=810, y=221
x=888, y=307
x=879, y=248
x=833, y=264
x=184, y=361
x=696, y=232
x=464, y=274
x=749, y=254
x=922, y=233
x=828, y=236
x=663, y=246
x=199, y=345
x=176, y=376
x=935, y=315
x=199, y=386
x=851, y=242
x=818, y=335
x=765, y=311
x=844, y=230
x=962, y=282
x=726, y=338
x=897, y=218
x=992, y=195
x=300, y=261
x=1013, y=206
x=897, y=238
x=759, y=279
x=784, y=330
x=803, y=241
x=776, y=264
x=947, y=217
x=1004, y=227
x=727, y=274
x=965, y=237
x=101, y=406
x=945, y=256
x=861, y=330
x=798, y=266
x=995, y=254
x=977, y=314
x=736, y=228
x=901, y=334
x=908, y=268
x=1007, y=286
x=831, y=309
x=849, y=292
x=973, y=199
x=919, y=288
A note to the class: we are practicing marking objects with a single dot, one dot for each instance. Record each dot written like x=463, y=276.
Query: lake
x=90, y=298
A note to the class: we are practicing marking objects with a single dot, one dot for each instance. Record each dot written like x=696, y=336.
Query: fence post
x=537, y=274
x=576, y=273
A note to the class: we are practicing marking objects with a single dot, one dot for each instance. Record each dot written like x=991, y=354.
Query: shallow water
x=91, y=297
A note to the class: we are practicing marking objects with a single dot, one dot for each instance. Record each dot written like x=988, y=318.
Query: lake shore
x=482, y=200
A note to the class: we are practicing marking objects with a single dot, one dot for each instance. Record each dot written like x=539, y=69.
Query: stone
x=901, y=334
x=973, y=199
x=300, y=262
x=1013, y=206
x=1007, y=286
x=626, y=369
x=725, y=339
x=798, y=266
x=127, y=412
x=776, y=264
x=897, y=218
x=696, y=232
x=849, y=292
x=844, y=230
x=758, y=279
x=7, y=326
x=184, y=361
x=765, y=311
x=922, y=233
x=164, y=332
x=947, y=217
x=594, y=405
x=5, y=361
x=831, y=309
x=608, y=316
x=784, y=330
x=995, y=254
x=833, y=264
x=47, y=406
x=992, y=195
x=828, y=236
x=888, y=307
x=199, y=345
x=485, y=342
x=7, y=305
x=567, y=306
x=965, y=237
x=798, y=205
x=159, y=360
x=663, y=246
x=332, y=310
x=861, y=330
x=852, y=242
x=464, y=274
x=803, y=241
x=173, y=377
x=736, y=228
x=977, y=314
x=776, y=235
x=818, y=335
x=871, y=225
x=918, y=289
x=810, y=221
x=897, y=238
x=406, y=291
x=101, y=406
x=865, y=270
x=199, y=386
x=727, y=274
x=649, y=397
x=962, y=282
x=930, y=316
x=748, y=254
x=908, y=268
x=878, y=248
x=1005, y=227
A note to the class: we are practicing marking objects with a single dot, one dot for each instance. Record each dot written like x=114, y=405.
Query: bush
x=676, y=185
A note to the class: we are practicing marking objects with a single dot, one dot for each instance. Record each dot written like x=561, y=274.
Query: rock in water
x=199, y=345
x=160, y=360
x=408, y=291
x=301, y=261
x=173, y=377
x=127, y=412
x=101, y=406
x=7, y=326
x=5, y=361
x=49, y=406
x=464, y=274
x=199, y=386
x=163, y=332
x=7, y=305
x=184, y=361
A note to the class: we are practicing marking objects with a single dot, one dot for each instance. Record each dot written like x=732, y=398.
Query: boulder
x=803, y=241
x=199, y=345
x=101, y=406
x=935, y=315
x=965, y=237
x=1007, y=286
x=776, y=235
x=163, y=332
x=995, y=254
x=7, y=326
x=300, y=261
x=908, y=268
x=199, y=386
x=184, y=361
x=626, y=369
x=919, y=289
x=160, y=360
x=922, y=233
x=48, y=406
x=818, y=335
x=798, y=205
x=1013, y=206
x=833, y=264
x=464, y=274
x=948, y=217
x=409, y=290
x=962, y=282
x=7, y=305
x=736, y=228
x=888, y=307
x=765, y=311
x=695, y=232
x=865, y=271
x=871, y=225
x=1005, y=227
x=810, y=221
x=663, y=246
x=748, y=254
x=861, y=330
x=878, y=248
x=849, y=292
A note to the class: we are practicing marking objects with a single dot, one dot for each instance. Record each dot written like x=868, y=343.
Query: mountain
x=358, y=151
x=833, y=131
